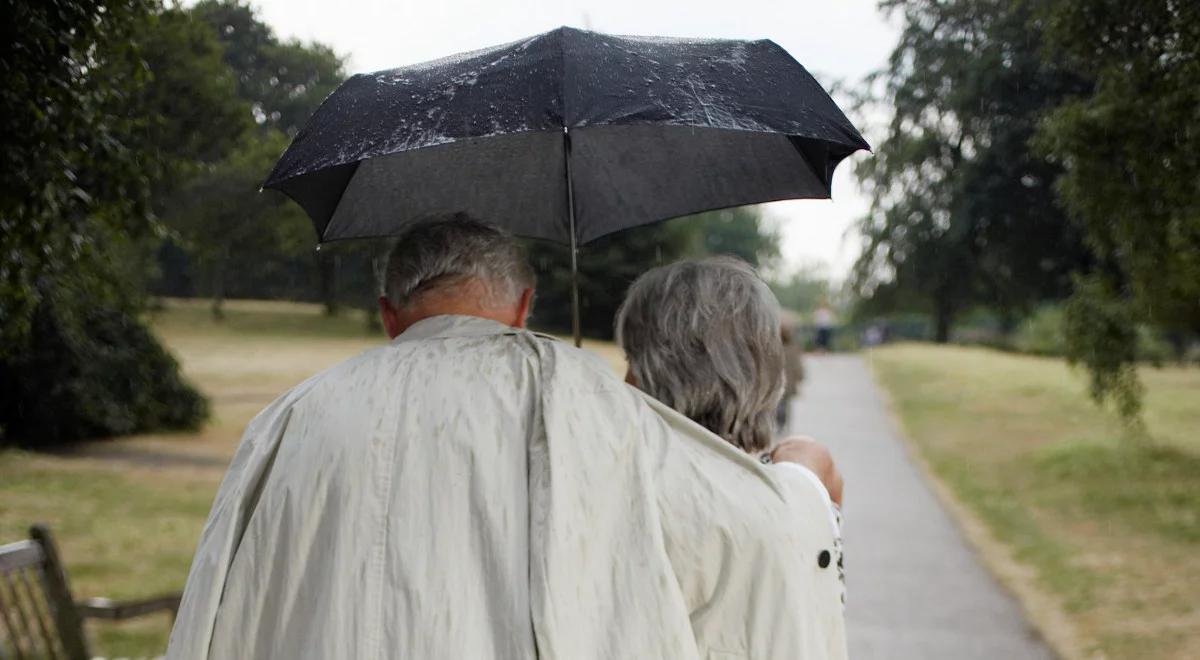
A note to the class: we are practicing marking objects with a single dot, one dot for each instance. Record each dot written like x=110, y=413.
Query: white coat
x=475, y=491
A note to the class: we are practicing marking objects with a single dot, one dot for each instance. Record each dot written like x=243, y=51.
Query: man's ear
x=391, y=320
x=524, y=308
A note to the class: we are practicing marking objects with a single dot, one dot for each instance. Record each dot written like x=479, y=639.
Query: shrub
x=1151, y=346
x=91, y=370
x=1042, y=333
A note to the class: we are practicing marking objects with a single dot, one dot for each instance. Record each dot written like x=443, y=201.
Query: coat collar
x=453, y=325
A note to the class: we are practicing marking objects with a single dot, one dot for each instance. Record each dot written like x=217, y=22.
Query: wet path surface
x=916, y=590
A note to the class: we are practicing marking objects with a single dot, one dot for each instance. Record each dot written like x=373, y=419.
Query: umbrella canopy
x=567, y=136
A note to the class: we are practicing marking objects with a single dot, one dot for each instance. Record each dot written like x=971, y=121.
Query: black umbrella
x=567, y=136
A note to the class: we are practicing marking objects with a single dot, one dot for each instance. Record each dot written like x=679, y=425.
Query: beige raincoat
x=472, y=491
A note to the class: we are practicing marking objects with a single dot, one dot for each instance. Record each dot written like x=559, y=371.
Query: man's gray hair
x=449, y=250
x=703, y=338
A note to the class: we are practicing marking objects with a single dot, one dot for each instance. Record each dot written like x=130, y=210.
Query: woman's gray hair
x=703, y=338
x=448, y=250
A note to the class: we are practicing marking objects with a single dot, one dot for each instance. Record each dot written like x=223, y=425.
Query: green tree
x=609, y=265
x=279, y=84
x=1130, y=148
x=197, y=116
x=81, y=118
x=963, y=209
x=741, y=232
x=235, y=233
x=284, y=81
x=59, y=123
x=804, y=289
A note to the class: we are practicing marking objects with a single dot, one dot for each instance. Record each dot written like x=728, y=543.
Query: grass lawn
x=1111, y=530
x=127, y=512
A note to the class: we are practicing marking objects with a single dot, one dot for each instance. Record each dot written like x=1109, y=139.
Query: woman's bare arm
x=814, y=456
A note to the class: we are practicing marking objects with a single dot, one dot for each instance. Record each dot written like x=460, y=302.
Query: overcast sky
x=834, y=39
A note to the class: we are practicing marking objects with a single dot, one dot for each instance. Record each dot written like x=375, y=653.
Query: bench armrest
x=103, y=608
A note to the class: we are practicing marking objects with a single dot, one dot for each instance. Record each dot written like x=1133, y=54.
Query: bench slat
x=20, y=555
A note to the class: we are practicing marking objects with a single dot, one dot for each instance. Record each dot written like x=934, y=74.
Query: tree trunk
x=374, y=324
x=327, y=268
x=1179, y=346
x=1008, y=323
x=218, y=290
x=943, y=319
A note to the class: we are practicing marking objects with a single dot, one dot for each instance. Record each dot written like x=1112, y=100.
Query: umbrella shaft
x=576, y=325
x=575, y=322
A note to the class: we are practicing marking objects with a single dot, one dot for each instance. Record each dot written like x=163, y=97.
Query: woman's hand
x=814, y=456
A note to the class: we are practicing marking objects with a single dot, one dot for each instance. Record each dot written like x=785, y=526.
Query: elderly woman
x=703, y=338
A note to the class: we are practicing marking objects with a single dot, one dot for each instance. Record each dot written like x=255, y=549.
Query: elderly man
x=475, y=490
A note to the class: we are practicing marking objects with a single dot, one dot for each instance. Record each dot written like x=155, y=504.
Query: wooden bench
x=38, y=616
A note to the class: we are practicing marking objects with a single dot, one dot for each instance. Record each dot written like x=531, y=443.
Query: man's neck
x=464, y=299
x=461, y=300
x=412, y=316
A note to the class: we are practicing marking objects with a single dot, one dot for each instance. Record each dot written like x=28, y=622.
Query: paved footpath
x=915, y=589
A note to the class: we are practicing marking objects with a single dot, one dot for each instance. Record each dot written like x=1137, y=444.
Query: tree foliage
x=221, y=225
x=804, y=289
x=67, y=177
x=231, y=231
x=963, y=208
x=1007, y=112
x=84, y=126
x=1130, y=148
x=609, y=265
x=197, y=116
x=283, y=81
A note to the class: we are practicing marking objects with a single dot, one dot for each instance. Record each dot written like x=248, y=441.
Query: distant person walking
x=823, y=319
x=793, y=371
x=874, y=334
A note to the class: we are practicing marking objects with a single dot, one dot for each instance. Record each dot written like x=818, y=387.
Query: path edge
x=1043, y=612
